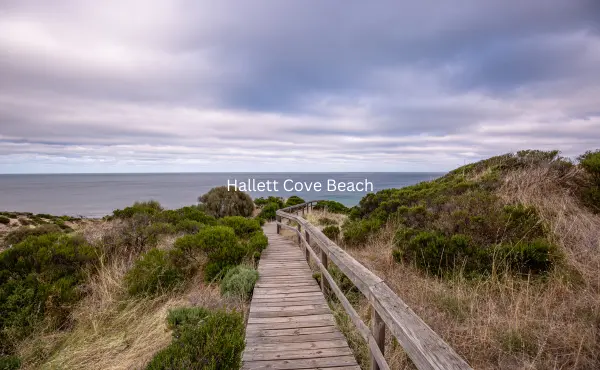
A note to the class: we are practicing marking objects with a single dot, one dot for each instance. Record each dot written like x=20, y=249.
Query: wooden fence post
x=278, y=219
x=307, y=237
x=324, y=262
x=378, y=331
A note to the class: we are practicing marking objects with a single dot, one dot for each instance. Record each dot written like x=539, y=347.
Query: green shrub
x=4, y=220
x=221, y=202
x=218, y=243
x=260, y=202
x=590, y=194
x=332, y=206
x=436, y=253
x=242, y=226
x=153, y=274
x=536, y=257
x=357, y=232
x=9, y=362
x=140, y=231
x=189, y=226
x=521, y=222
x=189, y=213
x=294, y=200
x=332, y=232
x=590, y=162
x=23, y=232
x=269, y=212
x=202, y=339
x=150, y=208
x=326, y=221
x=40, y=278
x=261, y=221
x=239, y=282
x=257, y=242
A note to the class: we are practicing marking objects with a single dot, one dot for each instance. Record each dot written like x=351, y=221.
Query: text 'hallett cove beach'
x=291, y=185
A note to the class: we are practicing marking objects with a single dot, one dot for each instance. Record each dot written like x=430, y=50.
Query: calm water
x=96, y=195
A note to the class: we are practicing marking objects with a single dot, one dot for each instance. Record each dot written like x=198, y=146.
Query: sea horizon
x=94, y=195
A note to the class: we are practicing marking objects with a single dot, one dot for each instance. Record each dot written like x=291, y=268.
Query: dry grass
x=314, y=217
x=508, y=322
x=109, y=330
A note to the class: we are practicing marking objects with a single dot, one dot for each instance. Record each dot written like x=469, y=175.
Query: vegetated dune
x=144, y=288
x=501, y=258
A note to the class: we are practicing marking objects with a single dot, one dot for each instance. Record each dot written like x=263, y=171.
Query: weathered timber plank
x=298, y=331
x=286, y=354
x=298, y=346
x=301, y=363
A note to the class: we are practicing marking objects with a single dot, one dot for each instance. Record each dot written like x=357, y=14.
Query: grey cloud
x=321, y=83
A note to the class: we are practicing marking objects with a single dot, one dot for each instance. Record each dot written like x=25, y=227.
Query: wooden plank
x=295, y=325
x=272, y=308
x=301, y=363
x=322, y=317
x=283, y=353
x=254, y=332
x=257, y=342
x=290, y=301
x=298, y=346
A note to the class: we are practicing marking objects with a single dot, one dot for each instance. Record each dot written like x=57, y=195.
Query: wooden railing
x=425, y=348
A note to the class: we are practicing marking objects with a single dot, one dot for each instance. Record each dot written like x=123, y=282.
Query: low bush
x=150, y=208
x=269, y=212
x=537, y=256
x=202, y=339
x=332, y=206
x=221, y=202
x=9, y=362
x=294, y=200
x=4, y=220
x=590, y=194
x=189, y=213
x=260, y=202
x=357, y=232
x=152, y=274
x=243, y=227
x=239, y=282
x=257, y=243
x=438, y=253
x=332, y=232
x=40, y=279
x=218, y=243
x=189, y=226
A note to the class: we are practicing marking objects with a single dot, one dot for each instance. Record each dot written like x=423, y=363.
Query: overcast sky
x=165, y=85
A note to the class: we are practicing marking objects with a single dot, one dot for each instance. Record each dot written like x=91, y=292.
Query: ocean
x=97, y=195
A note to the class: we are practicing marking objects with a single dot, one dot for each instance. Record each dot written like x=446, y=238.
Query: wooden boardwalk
x=290, y=325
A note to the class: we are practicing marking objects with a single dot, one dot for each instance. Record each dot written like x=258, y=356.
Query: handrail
x=425, y=348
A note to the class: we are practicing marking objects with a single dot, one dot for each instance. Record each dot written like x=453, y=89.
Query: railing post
x=307, y=237
x=278, y=219
x=378, y=331
x=324, y=262
x=299, y=235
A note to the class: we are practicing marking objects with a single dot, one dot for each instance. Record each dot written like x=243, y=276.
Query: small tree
x=222, y=202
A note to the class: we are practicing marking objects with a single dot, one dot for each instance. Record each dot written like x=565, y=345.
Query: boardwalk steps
x=290, y=325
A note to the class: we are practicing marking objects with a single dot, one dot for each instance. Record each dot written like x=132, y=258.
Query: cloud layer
x=90, y=86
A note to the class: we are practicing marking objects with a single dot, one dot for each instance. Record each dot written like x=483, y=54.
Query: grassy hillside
x=500, y=257
x=145, y=287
